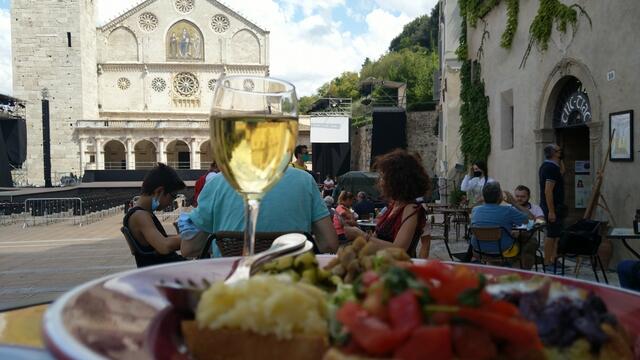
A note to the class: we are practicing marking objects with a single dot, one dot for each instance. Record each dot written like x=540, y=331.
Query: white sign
x=330, y=129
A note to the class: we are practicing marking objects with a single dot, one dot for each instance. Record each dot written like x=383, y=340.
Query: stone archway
x=145, y=154
x=178, y=155
x=206, y=155
x=115, y=155
x=544, y=134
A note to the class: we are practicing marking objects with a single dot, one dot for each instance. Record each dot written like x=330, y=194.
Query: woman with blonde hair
x=343, y=215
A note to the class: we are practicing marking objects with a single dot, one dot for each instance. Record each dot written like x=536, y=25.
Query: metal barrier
x=47, y=210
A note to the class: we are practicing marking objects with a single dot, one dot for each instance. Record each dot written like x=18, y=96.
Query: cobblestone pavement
x=39, y=263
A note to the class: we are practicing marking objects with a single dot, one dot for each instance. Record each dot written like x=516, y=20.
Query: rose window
x=124, y=83
x=184, y=6
x=158, y=84
x=248, y=85
x=148, y=22
x=185, y=84
x=220, y=23
x=212, y=84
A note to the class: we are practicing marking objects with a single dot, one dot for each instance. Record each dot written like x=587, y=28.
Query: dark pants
x=629, y=274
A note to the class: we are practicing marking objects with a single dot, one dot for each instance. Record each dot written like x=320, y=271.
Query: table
x=367, y=225
x=448, y=213
x=624, y=234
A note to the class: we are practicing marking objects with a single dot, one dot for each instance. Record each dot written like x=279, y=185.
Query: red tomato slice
x=428, y=343
x=433, y=270
x=515, y=330
x=461, y=280
x=502, y=307
x=369, y=278
x=372, y=334
x=404, y=312
x=473, y=343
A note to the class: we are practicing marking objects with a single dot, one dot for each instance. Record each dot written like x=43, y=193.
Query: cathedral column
x=162, y=154
x=99, y=153
x=83, y=144
x=131, y=155
x=195, y=160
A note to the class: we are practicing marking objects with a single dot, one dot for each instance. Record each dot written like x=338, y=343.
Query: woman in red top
x=343, y=216
x=402, y=179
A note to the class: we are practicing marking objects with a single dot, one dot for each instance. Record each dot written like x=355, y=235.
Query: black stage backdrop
x=5, y=170
x=389, y=132
x=330, y=159
x=15, y=138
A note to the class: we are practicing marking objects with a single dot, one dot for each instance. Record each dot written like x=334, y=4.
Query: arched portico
x=205, y=155
x=145, y=154
x=115, y=156
x=178, y=155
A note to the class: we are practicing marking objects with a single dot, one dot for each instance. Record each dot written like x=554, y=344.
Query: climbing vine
x=550, y=12
x=513, y=7
x=475, y=134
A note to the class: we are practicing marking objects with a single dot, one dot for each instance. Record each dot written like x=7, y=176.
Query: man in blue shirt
x=492, y=214
x=292, y=205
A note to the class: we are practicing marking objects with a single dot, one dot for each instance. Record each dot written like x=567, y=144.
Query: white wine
x=253, y=151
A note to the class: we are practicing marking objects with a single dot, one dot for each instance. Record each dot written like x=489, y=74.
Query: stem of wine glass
x=251, y=208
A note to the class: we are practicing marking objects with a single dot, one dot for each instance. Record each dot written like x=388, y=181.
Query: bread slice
x=233, y=344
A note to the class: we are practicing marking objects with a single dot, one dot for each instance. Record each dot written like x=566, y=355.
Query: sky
x=312, y=41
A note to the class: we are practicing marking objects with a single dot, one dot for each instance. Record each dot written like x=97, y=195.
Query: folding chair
x=487, y=235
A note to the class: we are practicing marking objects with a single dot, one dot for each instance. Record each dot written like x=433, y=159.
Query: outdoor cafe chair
x=230, y=243
x=147, y=256
x=487, y=235
x=582, y=239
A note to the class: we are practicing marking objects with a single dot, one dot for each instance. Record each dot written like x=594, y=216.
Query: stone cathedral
x=132, y=92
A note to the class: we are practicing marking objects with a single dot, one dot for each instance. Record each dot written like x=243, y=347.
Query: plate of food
x=360, y=304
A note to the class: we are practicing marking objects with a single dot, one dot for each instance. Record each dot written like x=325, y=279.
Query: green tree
x=415, y=67
x=346, y=85
x=422, y=31
x=305, y=103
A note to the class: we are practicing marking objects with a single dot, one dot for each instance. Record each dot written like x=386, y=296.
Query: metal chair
x=582, y=239
x=230, y=243
x=491, y=234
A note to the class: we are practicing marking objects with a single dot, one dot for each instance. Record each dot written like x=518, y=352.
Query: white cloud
x=6, y=84
x=411, y=8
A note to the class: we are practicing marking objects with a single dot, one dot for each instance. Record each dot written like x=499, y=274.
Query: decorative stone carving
x=158, y=84
x=219, y=23
x=212, y=84
x=184, y=6
x=186, y=84
x=124, y=83
x=148, y=21
x=248, y=85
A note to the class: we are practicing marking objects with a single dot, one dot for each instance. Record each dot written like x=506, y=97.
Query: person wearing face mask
x=159, y=189
x=474, y=181
x=302, y=155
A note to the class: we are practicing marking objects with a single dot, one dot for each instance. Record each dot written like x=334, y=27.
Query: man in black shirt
x=552, y=199
x=364, y=207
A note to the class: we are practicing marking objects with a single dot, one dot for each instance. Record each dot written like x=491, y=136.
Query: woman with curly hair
x=402, y=180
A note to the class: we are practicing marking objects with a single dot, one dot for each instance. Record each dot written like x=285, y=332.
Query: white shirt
x=473, y=187
x=536, y=211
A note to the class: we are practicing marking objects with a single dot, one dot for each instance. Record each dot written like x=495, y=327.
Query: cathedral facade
x=132, y=92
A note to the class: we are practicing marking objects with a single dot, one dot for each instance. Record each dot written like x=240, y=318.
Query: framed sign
x=622, y=143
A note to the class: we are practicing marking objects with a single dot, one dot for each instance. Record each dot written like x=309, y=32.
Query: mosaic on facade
x=184, y=42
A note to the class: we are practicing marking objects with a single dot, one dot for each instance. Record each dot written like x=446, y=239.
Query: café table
x=367, y=225
x=452, y=213
x=624, y=234
x=20, y=337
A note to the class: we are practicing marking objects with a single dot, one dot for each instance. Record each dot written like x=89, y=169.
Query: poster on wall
x=583, y=191
x=622, y=143
x=582, y=166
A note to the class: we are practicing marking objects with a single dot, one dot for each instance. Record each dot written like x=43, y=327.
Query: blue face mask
x=155, y=203
x=306, y=158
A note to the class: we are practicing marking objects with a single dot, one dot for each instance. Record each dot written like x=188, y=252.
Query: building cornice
x=184, y=66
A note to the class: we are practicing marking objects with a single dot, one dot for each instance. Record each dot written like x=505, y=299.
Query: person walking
x=552, y=200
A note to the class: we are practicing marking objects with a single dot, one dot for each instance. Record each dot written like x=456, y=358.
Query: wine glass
x=254, y=128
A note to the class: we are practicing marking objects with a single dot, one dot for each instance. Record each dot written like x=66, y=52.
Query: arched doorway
x=571, y=115
x=206, y=156
x=115, y=155
x=145, y=154
x=178, y=155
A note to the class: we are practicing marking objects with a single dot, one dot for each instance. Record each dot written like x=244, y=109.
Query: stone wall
x=421, y=138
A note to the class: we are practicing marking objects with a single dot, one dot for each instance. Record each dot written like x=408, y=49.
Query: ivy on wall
x=475, y=133
x=550, y=12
